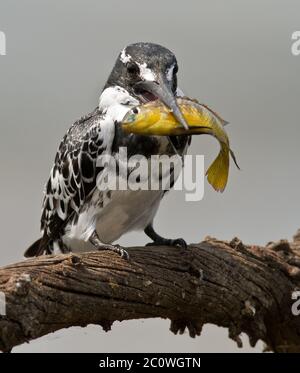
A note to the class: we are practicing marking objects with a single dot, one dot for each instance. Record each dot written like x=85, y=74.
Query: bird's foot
x=95, y=241
x=178, y=242
x=116, y=249
x=161, y=241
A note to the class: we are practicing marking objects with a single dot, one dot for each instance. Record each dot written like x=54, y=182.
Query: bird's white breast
x=127, y=211
x=122, y=212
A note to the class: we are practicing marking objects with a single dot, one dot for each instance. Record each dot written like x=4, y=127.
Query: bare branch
x=244, y=288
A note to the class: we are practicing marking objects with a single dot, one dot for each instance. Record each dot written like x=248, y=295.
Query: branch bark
x=243, y=288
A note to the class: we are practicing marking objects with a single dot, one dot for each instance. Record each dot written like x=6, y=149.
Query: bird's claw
x=121, y=251
x=178, y=242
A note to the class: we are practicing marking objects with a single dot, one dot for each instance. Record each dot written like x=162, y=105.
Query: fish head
x=141, y=119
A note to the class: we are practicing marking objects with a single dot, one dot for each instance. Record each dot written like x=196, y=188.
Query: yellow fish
x=155, y=119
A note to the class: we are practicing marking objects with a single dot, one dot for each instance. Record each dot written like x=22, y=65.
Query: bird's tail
x=36, y=249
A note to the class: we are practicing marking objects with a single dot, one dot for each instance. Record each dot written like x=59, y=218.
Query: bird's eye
x=133, y=68
x=175, y=71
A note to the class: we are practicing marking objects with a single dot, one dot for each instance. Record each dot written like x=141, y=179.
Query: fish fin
x=223, y=121
x=217, y=173
x=234, y=159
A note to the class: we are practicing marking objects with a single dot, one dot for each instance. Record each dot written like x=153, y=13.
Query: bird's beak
x=161, y=90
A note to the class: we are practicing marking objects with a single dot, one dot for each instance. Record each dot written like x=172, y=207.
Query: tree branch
x=244, y=288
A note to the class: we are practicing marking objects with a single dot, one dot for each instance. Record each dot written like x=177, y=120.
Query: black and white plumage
x=78, y=216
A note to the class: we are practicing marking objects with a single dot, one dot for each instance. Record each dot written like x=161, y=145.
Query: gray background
x=233, y=55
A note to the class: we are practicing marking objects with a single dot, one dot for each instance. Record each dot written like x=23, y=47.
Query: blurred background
x=234, y=56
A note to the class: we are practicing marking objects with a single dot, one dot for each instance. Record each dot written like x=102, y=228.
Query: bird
x=78, y=216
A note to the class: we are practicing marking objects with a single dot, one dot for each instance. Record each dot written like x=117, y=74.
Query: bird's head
x=148, y=72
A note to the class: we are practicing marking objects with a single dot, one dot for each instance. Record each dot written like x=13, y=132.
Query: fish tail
x=217, y=174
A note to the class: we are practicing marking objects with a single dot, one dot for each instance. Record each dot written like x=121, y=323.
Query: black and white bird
x=77, y=215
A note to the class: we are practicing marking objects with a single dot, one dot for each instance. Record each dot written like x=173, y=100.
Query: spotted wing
x=74, y=174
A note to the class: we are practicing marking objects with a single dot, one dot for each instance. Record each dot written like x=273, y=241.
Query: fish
x=155, y=119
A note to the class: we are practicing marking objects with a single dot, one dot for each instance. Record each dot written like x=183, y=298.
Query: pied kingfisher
x=77, y=216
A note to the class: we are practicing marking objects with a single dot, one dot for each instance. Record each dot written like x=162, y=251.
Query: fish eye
x=135, y=110
x=175, y=71
x=130, y=118
x=133, y=68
